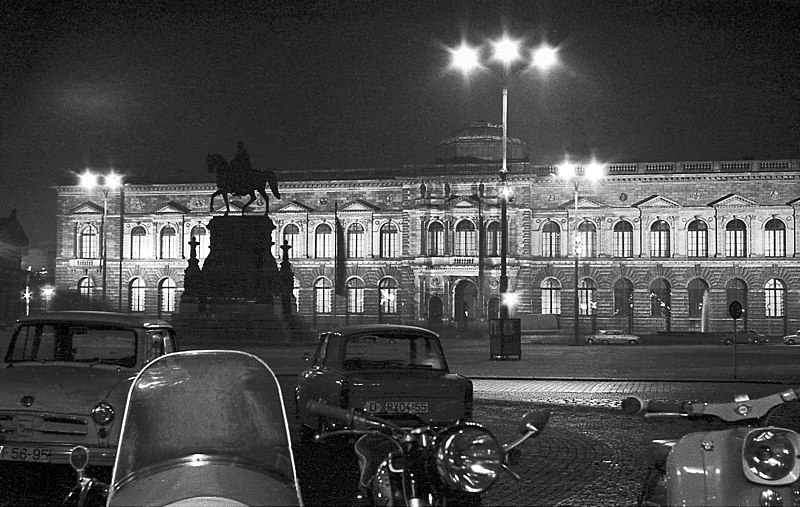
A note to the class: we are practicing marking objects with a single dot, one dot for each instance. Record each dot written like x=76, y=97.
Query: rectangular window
x=623, y=243
x=697, y=244
x=774, y=243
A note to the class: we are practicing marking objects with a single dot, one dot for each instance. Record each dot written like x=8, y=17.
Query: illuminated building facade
x=662, y=246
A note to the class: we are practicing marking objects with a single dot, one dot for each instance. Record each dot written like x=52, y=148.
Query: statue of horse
x=237, y=182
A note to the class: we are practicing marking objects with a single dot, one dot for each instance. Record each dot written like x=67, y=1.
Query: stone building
x=13, y=279
x=662, y=246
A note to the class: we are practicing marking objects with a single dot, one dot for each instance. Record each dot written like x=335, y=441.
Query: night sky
x=148, y=88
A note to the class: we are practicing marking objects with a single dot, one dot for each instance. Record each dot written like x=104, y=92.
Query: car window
x=392, y=351
x=159, y=342
x=80, y=343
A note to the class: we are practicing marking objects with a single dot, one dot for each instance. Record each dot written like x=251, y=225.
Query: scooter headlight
x=769, y=456
x=469, y=458
x=103, y=413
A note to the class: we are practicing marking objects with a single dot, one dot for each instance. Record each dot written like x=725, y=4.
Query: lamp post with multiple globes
x=569, y=171
x=110, y=181
x=506, y=59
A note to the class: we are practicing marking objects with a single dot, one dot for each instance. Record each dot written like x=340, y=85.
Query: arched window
x=697, y=294
x=775, y=298
x=551, y=296
x=660, y=298
x=168, y=243
x=355, y=241
x=659, y=239
x=736, y=290
x=697, y=239
x=296, y=294
x=355, y=295
x=323, y=294
x=323, y=242
x=136, y=291
x=166, y=295
x=389, y=241
x=291, y=236
x=623, y=239
x=466, y=239
x=200, y=234
x=138, y=242
x=551, y=240
x=587, y=234
x=494, y=237
x=435, y=239
x=587, y=289
x=387, y=291
x=736, y=239
x=86, y=287
x=623, y=298
x=774, y=238
x=89, y=241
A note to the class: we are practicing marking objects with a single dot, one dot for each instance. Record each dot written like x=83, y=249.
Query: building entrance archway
x=465, y=302
x=435, y=310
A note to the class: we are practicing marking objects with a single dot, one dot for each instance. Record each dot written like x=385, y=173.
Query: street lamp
x=506, y=59
x=591, y=172
x=110, y=182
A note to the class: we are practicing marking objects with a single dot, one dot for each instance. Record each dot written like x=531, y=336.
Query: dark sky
x=149, y=88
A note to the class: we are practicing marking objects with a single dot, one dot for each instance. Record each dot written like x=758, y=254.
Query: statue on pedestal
x=241, y=179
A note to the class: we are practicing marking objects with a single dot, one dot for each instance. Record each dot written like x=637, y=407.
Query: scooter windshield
x=205, y=424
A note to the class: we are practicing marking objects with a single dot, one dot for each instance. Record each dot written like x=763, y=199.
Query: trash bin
x=505, y=336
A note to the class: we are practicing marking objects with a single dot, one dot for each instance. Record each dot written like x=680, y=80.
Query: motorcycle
x=203, y=427
x=751, y=463
x=426, y=465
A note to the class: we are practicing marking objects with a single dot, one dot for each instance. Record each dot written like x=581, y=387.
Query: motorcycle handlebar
x=350, y=417
x=733, y=411
x=635, y=405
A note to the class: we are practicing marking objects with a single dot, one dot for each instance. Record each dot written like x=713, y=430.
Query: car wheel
x=756, y=342
x=789, y=342
x=590, y=341
x=633, y=342
x=604, y=342
x=728, y=342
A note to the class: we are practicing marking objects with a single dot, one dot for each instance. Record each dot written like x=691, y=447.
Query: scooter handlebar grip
x=635, y=405
x=340, y=414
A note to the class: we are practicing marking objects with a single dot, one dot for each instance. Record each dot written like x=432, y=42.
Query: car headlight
x=769, y=456
x=103, y=413
x=469, y=458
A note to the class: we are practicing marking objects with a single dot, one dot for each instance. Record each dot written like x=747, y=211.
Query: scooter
x=426, y=465
x=200, y=428
x=751, y=463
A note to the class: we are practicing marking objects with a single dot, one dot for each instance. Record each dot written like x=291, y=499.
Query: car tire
x=790, y=342
x=728, y=342
x=633, y=342
x=590, y=341
x=604, y=342
x=756, y=342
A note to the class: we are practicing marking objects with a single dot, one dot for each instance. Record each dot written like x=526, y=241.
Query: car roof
x=377, y=328
x=124, y=319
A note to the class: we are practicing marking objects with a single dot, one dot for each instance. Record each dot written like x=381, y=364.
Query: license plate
x=35, y=454
x=406, y=407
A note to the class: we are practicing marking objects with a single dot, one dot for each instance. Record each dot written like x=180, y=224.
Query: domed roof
x=480, y=142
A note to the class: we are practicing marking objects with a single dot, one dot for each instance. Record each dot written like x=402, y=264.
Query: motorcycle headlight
x=469, y=458
x=103, y=413
x=769, y=456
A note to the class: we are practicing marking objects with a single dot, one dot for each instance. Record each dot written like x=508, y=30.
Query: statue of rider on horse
x=241, y=179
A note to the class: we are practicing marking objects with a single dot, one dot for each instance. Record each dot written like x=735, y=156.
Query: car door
x=309, y=383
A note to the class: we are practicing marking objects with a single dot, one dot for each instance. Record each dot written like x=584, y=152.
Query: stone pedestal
x=235, y=297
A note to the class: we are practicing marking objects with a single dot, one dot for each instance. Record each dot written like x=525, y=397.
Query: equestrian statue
x=241, y=179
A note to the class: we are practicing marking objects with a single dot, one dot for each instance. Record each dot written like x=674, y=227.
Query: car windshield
x=90, y=343
x=205, y=405
x=392, y=350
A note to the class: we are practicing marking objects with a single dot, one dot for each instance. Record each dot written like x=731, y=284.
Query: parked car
x=65, y=380
x=792, y=339
x=612, y=336
x=393, y=371
x=745, y=337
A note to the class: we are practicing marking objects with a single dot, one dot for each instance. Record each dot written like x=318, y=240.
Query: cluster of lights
x=592, y=171
x=89, y=180
x=506, y=51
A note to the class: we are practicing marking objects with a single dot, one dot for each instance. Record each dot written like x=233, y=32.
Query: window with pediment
x=466, y=239
x=323, y=241
x=736, y=239
x=291, y=236
x=389, y=241
x=169, y=243
x=355, y=241
x=774, y=238
x=697, y=239
x=138, y=242
x=659, y=239
x=435, y=239
x=623, y=239
x=323, y=296
x=551, y=240
x=88, y=243
x=587, y=239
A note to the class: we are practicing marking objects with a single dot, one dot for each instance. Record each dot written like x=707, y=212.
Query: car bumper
x=57, y=454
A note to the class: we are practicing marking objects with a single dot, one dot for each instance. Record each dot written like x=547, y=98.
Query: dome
x=480, y=142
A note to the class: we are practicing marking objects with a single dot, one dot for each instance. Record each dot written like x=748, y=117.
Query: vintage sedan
x=792, y=339
x=611, y=337
x=745, y=337
x=393, y=371
x=65, y=380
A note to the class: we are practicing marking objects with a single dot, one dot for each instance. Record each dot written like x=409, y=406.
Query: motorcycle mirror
x=79, y=458
x=535, y=420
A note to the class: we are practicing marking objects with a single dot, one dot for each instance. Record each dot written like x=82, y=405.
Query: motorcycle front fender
x=705, y=468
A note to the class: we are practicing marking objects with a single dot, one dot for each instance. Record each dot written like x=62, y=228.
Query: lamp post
x=507, y=60
x=111, y=181
x=592, y=172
